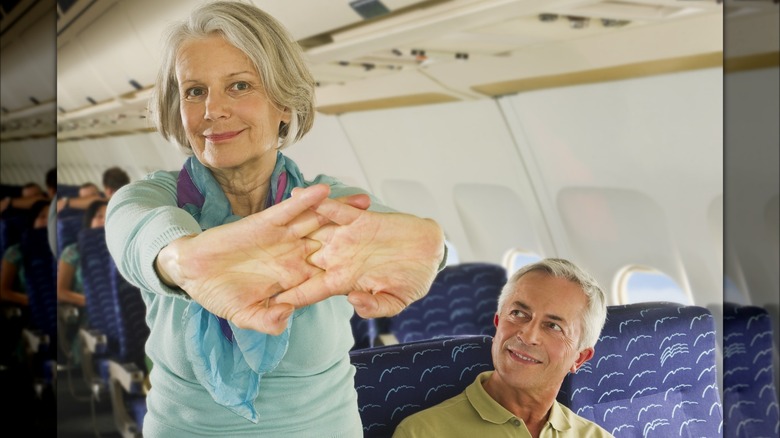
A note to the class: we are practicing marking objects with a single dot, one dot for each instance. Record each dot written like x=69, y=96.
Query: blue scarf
x=229, y=361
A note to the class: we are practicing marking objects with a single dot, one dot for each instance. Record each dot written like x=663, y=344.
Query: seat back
x=364, y=331
x=67, y=190
x=40, y=274
x=68, y=228
x=749, y=393
x=11, y=228
x=95, y=263
x=461, y=301
x=396, y=381
x=132, y=331
x=653, y=373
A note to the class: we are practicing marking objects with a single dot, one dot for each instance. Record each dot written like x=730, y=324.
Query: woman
x=13, y=288
x=70, y=288
x=242, y=263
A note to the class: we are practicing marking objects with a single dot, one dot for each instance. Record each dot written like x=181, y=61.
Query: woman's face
x=99, y=220
x=228, y=119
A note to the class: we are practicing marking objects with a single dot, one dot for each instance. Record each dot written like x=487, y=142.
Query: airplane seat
x=128, y=366
x=67, y=190
x=40, y=275
x=749, y=392
x=395, y=381
x=111, y=345
x=364, y=331
x=13, y=317
x=99, y=338
x=68, y=228
x=653, y=373
x=10, y=190
x=12, y=225
x=461, y=301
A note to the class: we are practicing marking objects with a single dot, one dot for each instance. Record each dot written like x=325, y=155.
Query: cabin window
x=452, y=253
x=516, y=258
x=732, y=293
x=639, y=284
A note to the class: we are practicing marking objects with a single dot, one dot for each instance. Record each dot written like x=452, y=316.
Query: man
x=549, y=317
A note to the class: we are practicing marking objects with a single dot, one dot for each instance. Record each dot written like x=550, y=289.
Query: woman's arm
x=65, y=274
x=141, y=219
x=8, y=273
x=382, y=261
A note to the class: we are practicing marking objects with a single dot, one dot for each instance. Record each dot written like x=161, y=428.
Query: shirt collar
x=491, y=411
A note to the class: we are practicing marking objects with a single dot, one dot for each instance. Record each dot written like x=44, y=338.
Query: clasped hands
x=256, y=271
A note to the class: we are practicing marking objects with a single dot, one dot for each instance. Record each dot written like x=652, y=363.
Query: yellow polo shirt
x=473, y=413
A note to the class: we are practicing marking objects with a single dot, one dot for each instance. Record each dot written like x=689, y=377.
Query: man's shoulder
x=583, y=426
x=431, y=419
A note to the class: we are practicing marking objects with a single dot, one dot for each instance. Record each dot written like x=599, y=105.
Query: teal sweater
x=310, y=394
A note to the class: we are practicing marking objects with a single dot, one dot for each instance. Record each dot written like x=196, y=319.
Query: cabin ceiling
x=365, y=54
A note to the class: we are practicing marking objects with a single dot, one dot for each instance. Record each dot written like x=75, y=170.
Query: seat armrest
x=35, y=339
x=386, y=339
x=128, y=375
x=68, y=313
x=95, y=341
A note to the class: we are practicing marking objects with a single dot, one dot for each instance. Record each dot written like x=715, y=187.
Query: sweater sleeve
x=141, y=219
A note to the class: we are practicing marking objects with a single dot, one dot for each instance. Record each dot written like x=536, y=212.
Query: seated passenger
x=113, y=179
x=30, y=194
x=550, y=315
x=88, y=189
x=69, y=281
x=12, y=284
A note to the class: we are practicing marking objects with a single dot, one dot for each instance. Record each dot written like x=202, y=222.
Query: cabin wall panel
x=315, y=153
x=485, y=208
x=440, y=146
x=752, y=188
x=26, y=161
x=659, y=136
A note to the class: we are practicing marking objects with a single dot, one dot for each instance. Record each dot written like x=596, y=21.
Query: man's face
x=537, y=333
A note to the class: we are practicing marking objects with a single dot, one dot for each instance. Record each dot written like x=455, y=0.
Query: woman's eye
x=195, y=92
x=241, y=86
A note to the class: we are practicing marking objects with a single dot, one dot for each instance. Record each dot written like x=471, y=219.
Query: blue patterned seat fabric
x=67, y=190
x=68, y=228
x=11, y=229
x=749, y=394
x=653, y=374
x=95, y=269
x=115, y=308
x=396, y=381
x=40, y=272
x=364, y=331
x=462, y=301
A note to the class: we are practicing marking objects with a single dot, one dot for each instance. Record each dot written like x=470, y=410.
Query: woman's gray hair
x=277, y=57
x=595, y=314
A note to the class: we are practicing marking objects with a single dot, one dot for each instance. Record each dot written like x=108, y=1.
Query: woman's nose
x=217, y=107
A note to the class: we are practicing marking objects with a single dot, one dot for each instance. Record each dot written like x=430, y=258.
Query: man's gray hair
x=595, y=314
